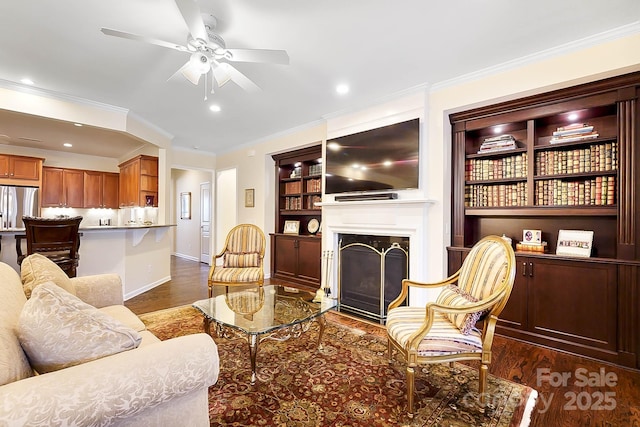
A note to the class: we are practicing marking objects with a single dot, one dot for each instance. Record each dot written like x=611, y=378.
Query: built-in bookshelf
x=295, y=257
x=557, y=161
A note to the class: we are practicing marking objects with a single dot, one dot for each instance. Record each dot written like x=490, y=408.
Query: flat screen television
x=384, y=158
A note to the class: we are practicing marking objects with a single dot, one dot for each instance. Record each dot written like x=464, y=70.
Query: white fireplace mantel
x=398, y=217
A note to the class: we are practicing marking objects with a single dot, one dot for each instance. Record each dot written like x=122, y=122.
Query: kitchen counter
x=96, y=227
x=139, y=254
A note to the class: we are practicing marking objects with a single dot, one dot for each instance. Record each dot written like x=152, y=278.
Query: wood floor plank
x=560, y=403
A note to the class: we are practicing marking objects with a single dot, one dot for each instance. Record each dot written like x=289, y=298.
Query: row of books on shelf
x=505, y=167
x=573, y=132
x=314, y=185
x=599, y=191
x=292, y=187
x=498, y=143
x=315, y=169
x=296, y=203
x=541, y=247
x=502, y=195
x=597, y=158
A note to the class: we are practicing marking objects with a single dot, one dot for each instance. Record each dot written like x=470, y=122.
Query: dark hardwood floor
x=572, y=390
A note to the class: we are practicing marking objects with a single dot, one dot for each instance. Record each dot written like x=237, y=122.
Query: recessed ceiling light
x=78, y=124
x=342, y=89
x=27, y=81
x=68, y=144
x=215, y=108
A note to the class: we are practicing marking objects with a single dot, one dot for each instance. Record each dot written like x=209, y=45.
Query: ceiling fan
x=208, y=50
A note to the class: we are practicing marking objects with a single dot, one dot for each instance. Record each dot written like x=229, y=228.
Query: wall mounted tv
x=384, y=158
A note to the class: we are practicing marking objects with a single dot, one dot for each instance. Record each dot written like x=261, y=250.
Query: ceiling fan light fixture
x=200, y=62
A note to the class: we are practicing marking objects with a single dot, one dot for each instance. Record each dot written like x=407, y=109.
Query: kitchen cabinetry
x=138, y=184
x=100, y=190
x=297, y=258
x=562, y=160
x=15, y=169
x=62, y=187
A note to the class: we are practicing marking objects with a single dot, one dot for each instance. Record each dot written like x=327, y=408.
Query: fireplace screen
x=370, y=273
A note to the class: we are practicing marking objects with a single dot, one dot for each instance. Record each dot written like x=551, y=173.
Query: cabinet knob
x=524, y=268
x=530, y=269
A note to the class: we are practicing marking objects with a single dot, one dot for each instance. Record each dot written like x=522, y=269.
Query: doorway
x=226, y=205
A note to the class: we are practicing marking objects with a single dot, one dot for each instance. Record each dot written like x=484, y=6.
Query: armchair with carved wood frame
x=445, y=330
x=242, y=258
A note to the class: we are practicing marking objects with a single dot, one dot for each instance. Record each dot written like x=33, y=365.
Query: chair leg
x=389, y=351
x=482, y=383
x=410, y=390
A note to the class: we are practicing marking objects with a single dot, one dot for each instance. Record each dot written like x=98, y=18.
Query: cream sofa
x=159, y=383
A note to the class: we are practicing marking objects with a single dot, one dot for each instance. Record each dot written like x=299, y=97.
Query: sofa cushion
x=58, y=330
x=125, y=316
x=37, y=269
x=14, y=365
x=453, y=296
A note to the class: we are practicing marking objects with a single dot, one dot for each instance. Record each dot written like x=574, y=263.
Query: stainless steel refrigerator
x=16, y=202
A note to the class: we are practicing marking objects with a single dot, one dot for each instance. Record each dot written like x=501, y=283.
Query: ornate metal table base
x=253, y=339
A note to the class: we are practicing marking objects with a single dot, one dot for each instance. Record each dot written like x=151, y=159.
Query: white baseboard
x=146, y=288
x=189, y=257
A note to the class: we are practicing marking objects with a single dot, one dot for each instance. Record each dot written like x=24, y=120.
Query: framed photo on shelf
x=575, y=243
x=291, y=227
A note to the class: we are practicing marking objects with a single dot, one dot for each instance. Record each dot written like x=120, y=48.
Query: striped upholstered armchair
x=446, y=330
x=242, y=258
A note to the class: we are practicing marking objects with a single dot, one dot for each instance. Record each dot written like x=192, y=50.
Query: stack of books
x=573, y=132
x=531, y=247
x=497, y=143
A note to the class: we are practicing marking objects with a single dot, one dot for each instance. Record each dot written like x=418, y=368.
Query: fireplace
x=370, y=273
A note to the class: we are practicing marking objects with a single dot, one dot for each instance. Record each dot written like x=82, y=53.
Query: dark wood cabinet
x=571, y=163
x=138, y=185
x=100, y=189
x=297, y=258
x=62, y=187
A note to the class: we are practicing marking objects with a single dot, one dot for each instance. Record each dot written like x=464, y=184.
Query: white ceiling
x=378, y=47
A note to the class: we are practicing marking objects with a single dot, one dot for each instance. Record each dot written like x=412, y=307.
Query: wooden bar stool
x=56, y=238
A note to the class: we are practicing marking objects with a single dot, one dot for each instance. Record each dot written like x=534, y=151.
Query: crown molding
x=580, y=44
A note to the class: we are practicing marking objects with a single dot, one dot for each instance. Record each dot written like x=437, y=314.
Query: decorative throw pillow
x=37, y=269
x=58, y=330
x=241, y=260
x=453, y=296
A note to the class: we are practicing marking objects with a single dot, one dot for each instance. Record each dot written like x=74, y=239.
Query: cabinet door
x=110, y=182
x=52, y=187
x=24, y=168
x=286, y=256
x=93, y=189
x=4, y=166
x=309, y=260
x=514, y=314
x=74, y=188
x=575, y=301
x=129, y=184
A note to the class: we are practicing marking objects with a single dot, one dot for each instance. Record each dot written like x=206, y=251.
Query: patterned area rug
x=347, y=383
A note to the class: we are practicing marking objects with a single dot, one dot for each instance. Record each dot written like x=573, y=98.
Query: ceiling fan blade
x=240, y=79
x=191, y=14
x=259, y=55
x=110, y=32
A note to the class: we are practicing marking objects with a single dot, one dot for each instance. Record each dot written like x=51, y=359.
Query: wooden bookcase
x=297, y=257
x=585, y=306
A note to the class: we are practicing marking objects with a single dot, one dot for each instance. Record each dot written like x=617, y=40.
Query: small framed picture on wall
x=249, y=198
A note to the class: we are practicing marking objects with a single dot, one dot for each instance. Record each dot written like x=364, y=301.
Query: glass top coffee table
x=259, y=313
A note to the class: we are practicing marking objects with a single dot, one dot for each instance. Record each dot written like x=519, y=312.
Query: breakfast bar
x=140, y=254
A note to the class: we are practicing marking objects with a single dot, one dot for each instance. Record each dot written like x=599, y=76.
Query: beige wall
x=581, y=65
